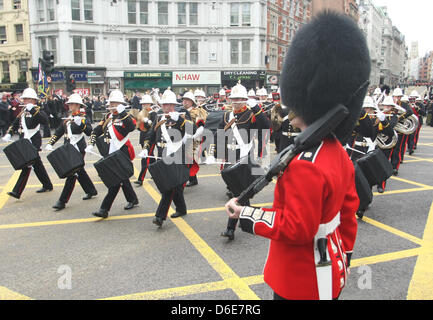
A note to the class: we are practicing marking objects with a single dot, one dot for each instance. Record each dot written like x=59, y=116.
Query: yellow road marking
x=170, y=293
x=411, y=182
x=8, y=187
x=421, y=285
x=386, y=257
x=392, y=230
x=6, y=294
x=402, y=191
x=237, y=285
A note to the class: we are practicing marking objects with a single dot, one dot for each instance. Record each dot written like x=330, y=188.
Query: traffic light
x=70, y=82
x=47, y=62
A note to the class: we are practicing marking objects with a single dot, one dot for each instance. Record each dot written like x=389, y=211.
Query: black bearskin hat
x=328, y=63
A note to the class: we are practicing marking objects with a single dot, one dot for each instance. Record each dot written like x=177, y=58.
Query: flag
x=42, y=83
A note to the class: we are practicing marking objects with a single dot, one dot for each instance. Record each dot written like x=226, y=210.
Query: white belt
x=324, y=273
x=361, y=143
x=233, y=146
x=290, y=134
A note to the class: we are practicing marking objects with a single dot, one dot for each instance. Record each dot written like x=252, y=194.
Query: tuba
x=406, y=126
x=381, y=141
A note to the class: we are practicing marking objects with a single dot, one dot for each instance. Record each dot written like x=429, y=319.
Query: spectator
x=4, y=114
x=135, y=102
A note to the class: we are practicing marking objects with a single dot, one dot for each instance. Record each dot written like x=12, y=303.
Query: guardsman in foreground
x=312, y=224
x=28, y=122
x=74, y=130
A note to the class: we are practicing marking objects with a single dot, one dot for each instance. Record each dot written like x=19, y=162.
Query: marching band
x=174, y=146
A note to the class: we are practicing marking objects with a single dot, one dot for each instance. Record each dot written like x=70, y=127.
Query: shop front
x=143, y=81
x=208, y=81
x=250, y=79
x=88, y=82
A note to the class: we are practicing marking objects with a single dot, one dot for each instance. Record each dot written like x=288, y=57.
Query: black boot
x=139, y=183
x=89, y=196
x=131, y=205
x=158, y=221
x=360, y=213
x=44, y=190
x=228, y=233
x=395, y=172
x=380, y=189
x=14, y=194
x=192, y=181
x=178, y=214
x=59, y=205
x=101, y=213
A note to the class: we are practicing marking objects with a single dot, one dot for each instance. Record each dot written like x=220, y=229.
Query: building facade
x=139, y=45
x=348, y=7
x=284, y=19
x=15, y=49
x=371, y=19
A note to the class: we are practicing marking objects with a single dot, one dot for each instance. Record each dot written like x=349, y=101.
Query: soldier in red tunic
x=312, y=224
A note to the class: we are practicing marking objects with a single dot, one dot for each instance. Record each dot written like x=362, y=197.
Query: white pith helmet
x=116, y=96
x=239, y=92
x=189, y=95
x=29, y=93
x=75, y=98
x=169, y=97
x=146, y=99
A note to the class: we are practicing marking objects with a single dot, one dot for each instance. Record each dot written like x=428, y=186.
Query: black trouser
x=127, y=189
x=397, y=150
x=175, y=195
x=411, y=141
x=40, y=172
x=145, y=162
x=388, y=154
x=85, y=182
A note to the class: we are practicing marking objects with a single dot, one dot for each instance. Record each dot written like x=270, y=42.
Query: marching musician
x=312, y=225
x=416, y=105
x=145, y=119
x=246, y=115
x=420, y=108
x=389, y=109
x=28, y=122
x=364, y=128
x=74, y=128
x=198, y=116
x=115, y=127
x=168, y=126
x=400, y=148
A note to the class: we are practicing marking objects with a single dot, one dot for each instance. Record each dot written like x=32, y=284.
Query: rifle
x=311, y=136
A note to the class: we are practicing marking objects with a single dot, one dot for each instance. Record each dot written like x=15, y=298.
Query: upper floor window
x=3, y=38
x=138, y=12
x=19, y=32
x=17, y=4
x=240, y=14
x=82, y=10
x=163, y=13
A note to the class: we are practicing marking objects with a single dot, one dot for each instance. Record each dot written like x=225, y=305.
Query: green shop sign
x=146, y=74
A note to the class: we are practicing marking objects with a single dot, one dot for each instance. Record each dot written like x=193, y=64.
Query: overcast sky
x=414, y=18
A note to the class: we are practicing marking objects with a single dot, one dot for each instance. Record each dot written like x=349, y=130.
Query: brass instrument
x=276, y=118
x=381, y=140
x=408, y=125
